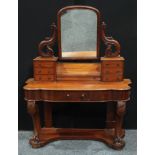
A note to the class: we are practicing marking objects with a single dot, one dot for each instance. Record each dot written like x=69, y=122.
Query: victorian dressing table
x=78, y=74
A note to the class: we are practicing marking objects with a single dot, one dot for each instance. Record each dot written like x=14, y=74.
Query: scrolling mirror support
x=78, y=35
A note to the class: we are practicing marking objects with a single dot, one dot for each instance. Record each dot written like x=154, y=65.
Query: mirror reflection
x=79, y=33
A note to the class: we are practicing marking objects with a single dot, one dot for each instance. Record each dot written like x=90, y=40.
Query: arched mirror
x=78, y=28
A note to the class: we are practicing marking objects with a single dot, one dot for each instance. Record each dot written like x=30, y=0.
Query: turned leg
x=33, y=110
x=48, y=114
x=120, y=110
x=110, y=115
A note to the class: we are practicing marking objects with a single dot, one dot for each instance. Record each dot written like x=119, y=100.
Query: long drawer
x=77, y=96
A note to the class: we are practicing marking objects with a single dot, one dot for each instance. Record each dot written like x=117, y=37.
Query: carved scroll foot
x=119, y=143
x=35, y=142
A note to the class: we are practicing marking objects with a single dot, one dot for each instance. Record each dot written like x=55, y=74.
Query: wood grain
x=78, y=71
x=80, y=85
x=79, y=54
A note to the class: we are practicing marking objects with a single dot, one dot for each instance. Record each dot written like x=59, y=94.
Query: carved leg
x=110, y=116
x=34, y=112
x=48, y=114
x=120, y=110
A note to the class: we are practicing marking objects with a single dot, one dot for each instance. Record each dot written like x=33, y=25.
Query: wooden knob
x=83, y=95
x=68, y=95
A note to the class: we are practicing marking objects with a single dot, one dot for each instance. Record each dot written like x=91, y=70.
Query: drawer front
x=44, y=71
x=112, y=77
x=44, y=77
x=44, y=64
x=112, y=64
x=112, y=71
x=109, y=95
x=71, y=96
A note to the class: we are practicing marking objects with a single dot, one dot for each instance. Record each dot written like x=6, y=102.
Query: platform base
x=107, y=136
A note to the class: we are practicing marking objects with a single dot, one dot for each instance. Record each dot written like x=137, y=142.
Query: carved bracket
x=31, y=107
x=121, y=107
x=109, y=42
x=48, y=43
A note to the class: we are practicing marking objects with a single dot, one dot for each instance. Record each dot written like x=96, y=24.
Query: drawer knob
x=83, y=95
x=68, y=95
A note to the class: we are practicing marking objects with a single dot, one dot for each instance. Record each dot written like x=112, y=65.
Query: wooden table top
x=76, y=85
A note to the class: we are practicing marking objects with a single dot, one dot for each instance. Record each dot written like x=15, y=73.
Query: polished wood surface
x=88, y=80
x=81, y=54
x=69, y=71
x=45, y=68
x=78, y=91
x=112, y=69
x=77, y=85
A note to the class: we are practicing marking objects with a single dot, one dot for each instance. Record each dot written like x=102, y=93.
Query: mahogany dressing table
x=78, y=74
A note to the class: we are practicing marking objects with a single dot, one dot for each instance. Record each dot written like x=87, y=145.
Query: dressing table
x=78, y=74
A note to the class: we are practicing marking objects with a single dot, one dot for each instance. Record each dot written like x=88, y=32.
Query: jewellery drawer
x=112, y=64
x=44, y=70
x=112, y=71
x=43, y=64
x=44, y=77
x=112, y=77
x=100, y=95
x=70, y=96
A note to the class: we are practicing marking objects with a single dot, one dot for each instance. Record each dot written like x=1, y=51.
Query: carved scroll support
x=109, y=42
x=34, y=112
x=48, y=43
x=120, y=111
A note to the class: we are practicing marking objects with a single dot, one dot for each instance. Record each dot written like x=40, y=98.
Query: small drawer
x=44, y=77
x=112, y=64
x=112, y=71
x=44, y=64
x=71, y=96
x=112, y=77
x=44, y=71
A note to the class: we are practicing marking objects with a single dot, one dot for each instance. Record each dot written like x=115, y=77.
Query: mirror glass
x=79, y=33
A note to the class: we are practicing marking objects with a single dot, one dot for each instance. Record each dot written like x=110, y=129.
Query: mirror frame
x=60, y=12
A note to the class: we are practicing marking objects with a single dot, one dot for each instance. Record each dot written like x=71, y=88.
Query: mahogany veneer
x=84, y=91
x=90, y=79
x=112, y=69
x=45, y=69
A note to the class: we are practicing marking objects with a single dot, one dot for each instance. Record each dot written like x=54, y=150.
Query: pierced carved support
x=48, y=43
x=109, y=42
x=34, y=112
x=120, y=111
